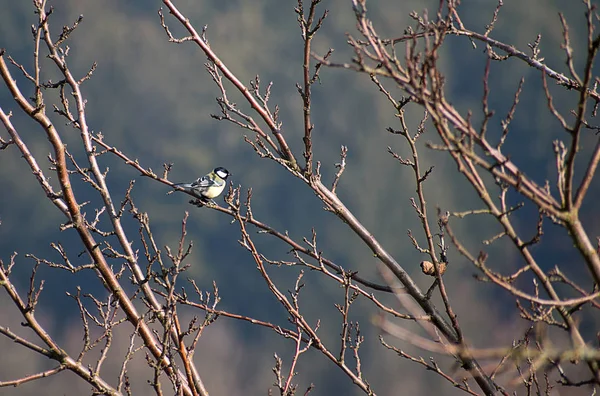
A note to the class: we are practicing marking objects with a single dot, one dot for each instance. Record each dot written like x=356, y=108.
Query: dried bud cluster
x=428, y=268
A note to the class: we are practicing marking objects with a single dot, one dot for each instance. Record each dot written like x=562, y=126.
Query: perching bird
x=209, y=186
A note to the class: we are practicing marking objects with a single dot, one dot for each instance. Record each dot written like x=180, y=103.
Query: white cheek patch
x=222, y=174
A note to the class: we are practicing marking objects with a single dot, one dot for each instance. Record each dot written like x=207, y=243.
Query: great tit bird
x=209, y=186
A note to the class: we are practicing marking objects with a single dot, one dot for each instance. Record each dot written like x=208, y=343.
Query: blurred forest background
x=153, y=100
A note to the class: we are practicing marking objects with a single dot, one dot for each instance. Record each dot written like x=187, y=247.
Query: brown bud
x=428, y=268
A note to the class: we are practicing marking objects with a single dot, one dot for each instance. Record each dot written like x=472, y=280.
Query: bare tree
x=146, y=297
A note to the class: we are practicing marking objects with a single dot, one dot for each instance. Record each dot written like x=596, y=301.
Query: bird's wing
x=203, y=182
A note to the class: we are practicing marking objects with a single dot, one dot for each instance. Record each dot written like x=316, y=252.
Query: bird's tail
x=186, y=186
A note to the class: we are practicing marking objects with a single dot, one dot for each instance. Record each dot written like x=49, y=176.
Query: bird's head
x=222, y=173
